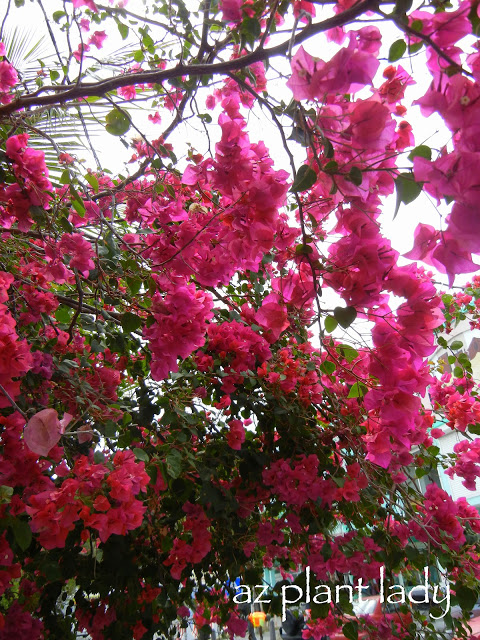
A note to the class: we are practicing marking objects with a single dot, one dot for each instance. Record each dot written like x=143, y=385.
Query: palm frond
x=24, y=49
x=61, y=130
x=69, y=128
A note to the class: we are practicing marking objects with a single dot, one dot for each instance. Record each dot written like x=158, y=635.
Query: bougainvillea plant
x=181, y=402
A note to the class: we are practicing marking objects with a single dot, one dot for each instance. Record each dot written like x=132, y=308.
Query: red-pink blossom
x=349, y=70
x=371, y=124
x=300, y=6
x=128, y=92
x=85, y=3
x=79, y=250
x=82, y=48
x=97, y=39
x=272, y=316
x=155, y=118
x=231, y=9
x=8, y=76
x=179, y=328
x=236, y=434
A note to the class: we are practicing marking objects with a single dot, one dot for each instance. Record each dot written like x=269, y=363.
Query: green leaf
x=350, y=630
x=110, y=429
x=357, y=390
x=421, y=151
x=65, y=177
x=417, y=25
x=98, y=457
x=6, y=493
x=456, y=345
x=407, y=190
x=134, y=284
x=77, y=202
x=174, y=463
x=213, y=496
x=22, y=533
x=141, y=454
x=58, y=15
x=123, y=29
x=327, y=367
x=458, y=372
x=117, y=123
x=328, y=149
x=92, y=181
x=466, y=597
x=96, y=346
x=348, y=352
x=79, y=207
x=130, y=322
x=147, y=41
x=63, y=315
x=251, y=29
x=397, y=50
x=37, y=213
x=298, y=135
x=331, y=167
x=345, y=316
x=355, y=176
x=305, y=179
x=474, y=428
x=475, y=20
x=303, y=249
x=415, y=47
x=330, y=324
x=50, y=568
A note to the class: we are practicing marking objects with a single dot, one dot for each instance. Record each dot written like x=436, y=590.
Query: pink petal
x=43, y=431
x=84, y=434
x=64, y=421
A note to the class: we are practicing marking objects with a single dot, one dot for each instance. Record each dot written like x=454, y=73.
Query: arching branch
x=62, y=94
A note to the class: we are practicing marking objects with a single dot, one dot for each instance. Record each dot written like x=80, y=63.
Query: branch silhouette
x=65, y=93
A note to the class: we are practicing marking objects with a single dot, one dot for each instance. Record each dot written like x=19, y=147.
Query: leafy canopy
x=212, y=359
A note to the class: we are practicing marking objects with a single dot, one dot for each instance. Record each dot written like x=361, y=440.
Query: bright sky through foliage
x=215, y=357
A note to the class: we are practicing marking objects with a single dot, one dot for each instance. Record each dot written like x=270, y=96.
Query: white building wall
x=471, y=344
x=454, y=485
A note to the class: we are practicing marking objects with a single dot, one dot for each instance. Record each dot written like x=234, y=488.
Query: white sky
x=427, y=130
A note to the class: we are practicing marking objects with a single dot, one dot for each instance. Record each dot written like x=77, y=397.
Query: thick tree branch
x=75, y=304
x=204, y=46
x=71, y=92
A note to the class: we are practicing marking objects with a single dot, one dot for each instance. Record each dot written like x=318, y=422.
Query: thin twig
x=70, y=92
x=79, y=308
x=12, y=401
x=425, y=38
x=4, y=20
x=204, y=46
